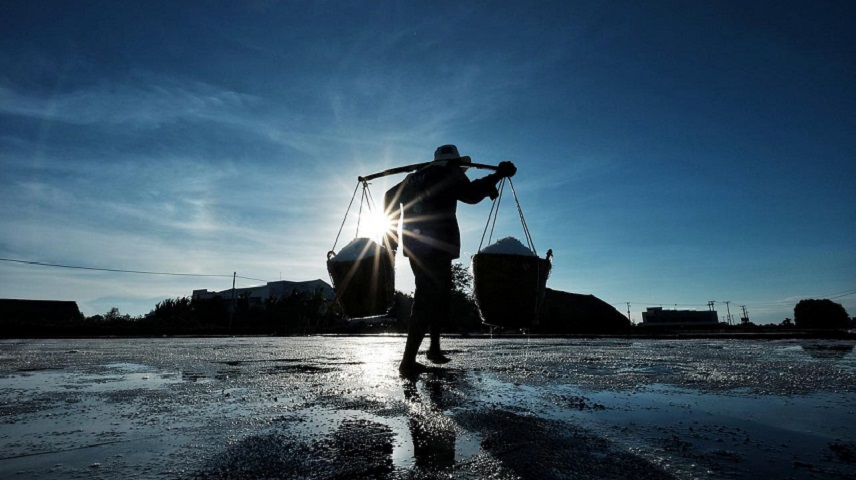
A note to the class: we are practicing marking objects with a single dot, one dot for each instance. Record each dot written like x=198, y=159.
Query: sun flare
x=374, y=225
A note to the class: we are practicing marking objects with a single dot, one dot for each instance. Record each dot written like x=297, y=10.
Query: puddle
x=738, y=431
x=118, y=377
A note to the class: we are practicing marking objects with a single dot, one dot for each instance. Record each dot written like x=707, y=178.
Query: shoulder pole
x=414, y=167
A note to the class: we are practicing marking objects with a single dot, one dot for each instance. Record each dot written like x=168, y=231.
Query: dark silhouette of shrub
x=300, y=312
x=564, y=312
x=184, y=315
x=824, y=313
x=401, y=306
x=464, y=314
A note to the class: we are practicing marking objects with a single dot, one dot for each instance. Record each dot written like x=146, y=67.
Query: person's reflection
x=433, y=433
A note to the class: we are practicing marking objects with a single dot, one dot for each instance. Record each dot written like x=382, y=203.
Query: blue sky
x=670, y=153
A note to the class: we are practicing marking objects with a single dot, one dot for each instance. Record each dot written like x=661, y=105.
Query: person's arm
x=475, y=191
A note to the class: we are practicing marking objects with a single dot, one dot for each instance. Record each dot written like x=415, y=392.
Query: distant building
x=44, y=310
x=25, y=317
x=283, y=288
x=657, y=317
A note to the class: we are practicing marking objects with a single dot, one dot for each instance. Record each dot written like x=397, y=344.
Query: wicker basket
x=364, y=287
x=509, y=289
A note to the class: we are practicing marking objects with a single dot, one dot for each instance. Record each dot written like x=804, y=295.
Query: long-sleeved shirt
x=426, y=202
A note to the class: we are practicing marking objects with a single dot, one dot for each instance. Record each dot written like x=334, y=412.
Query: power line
x=775, y=303
x=844, y=294
x=250, y=278
x=794, y=299
x=117, y=270
x=672, y=304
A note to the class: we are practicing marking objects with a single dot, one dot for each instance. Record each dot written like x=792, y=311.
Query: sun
x=374, y=225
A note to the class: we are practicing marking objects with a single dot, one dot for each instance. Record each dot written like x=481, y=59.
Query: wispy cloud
x=146, y=102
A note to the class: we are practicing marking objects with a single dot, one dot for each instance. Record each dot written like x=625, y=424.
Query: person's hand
x=493, y=192
x=506, y=169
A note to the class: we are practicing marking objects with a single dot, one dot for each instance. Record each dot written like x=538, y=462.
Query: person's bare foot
x=437, y=357
x=411, y=369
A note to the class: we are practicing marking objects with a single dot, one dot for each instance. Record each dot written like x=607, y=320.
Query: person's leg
x=442, y=279
x=418, y=316
x=431, y=303
x=415, y=334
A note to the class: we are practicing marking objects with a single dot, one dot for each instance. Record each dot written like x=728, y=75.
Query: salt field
x=335, y=407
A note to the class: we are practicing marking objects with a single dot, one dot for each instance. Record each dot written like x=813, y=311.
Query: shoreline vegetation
x=328, y=321
x=816, y=335
x=563, y=315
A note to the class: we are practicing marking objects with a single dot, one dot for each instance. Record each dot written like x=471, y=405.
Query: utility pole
x=729, y=311
x=745, y=318
x=628, y=312
x=710, y=305
x=232, y=309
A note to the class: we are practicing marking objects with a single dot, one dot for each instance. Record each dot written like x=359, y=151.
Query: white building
x=283, y=288
x=657, y=317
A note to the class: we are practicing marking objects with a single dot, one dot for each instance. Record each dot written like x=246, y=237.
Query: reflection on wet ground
x=335, y=408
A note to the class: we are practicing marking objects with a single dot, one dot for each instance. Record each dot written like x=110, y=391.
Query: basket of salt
x=363, y=277
x=509, y=283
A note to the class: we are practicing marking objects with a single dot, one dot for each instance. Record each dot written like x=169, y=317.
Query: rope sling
x=508, y=288
x=364, y=278
x=494, y=213
x=366, y=200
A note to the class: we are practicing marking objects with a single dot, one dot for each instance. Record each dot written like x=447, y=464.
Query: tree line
x=301, y=313
x=298, y=313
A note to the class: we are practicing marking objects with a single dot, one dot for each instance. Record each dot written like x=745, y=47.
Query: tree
x=462, y=279
x=401, y=307
x=824, y=313
x=464, y=312
x=185, y=315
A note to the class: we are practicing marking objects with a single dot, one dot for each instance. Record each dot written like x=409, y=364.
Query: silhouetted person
x=425, y=203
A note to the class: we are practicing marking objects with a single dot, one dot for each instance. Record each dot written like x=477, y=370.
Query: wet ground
x=335, y=408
